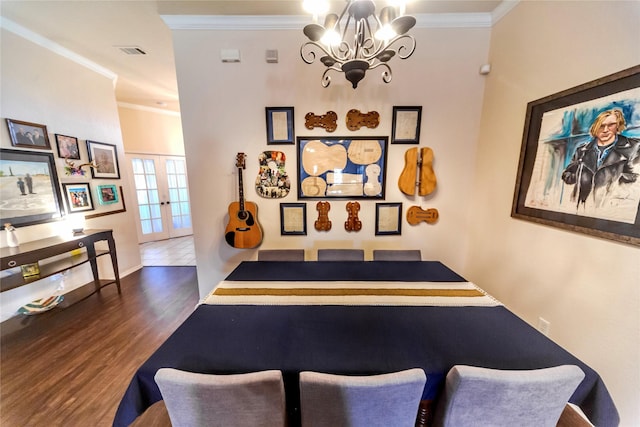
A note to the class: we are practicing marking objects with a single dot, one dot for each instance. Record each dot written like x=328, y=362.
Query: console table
x=57, y=254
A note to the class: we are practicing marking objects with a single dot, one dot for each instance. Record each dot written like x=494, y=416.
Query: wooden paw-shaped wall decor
x=327, y=121
x=323, y=223
x=356, y=119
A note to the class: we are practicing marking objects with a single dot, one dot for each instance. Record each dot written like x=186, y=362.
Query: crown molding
x=36, y=38
x=296, y=22
x=502, y=10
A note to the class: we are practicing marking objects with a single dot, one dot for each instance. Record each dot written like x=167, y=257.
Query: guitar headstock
x=240, y=160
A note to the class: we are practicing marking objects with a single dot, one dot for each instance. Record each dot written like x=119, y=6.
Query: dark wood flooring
x=71, y=366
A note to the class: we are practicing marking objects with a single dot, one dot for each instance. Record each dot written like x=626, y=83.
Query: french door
x=162, y=196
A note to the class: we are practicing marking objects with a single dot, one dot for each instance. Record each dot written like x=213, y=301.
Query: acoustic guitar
x=243, y=230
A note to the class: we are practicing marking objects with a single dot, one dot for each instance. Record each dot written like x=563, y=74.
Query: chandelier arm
x=406, y=41
x=310, y=56
x=387, y=74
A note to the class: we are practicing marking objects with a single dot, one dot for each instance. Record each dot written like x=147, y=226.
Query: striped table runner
x=349, y=293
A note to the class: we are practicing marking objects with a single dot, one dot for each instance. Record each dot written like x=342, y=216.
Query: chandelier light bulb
x=316, y=7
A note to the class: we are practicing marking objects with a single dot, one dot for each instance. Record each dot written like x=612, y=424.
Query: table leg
x=425, y=413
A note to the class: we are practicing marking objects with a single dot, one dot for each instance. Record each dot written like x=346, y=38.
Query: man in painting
x=28, y=179
x=608, y=158
x=38, y=139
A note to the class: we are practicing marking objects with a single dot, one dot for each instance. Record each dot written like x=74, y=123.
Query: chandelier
x=370, y=42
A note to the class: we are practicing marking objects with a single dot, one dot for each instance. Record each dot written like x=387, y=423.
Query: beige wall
x=222, y=107
x=40, y=86
x=588, y=288
x=150, y=130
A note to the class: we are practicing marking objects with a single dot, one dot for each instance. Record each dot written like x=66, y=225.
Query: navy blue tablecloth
x=355, y=339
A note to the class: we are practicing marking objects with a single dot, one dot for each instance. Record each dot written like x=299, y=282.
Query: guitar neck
x=241, y=190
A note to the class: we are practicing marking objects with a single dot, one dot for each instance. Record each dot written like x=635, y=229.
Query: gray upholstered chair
x=397, y=255
x=492, y=397
x=385, y=400
x=340, y=254
x=193, y=400
x=281, y=255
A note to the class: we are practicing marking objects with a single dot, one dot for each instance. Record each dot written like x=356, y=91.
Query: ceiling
x=96, y=29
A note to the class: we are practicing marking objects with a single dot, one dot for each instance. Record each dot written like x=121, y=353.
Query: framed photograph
x=67, y=147
x=280, y=126
x=105, y=156
x=293, y=219
x=78, y=197
x=28, y=135
x=405, y=127
x=29, y=188
x=579, y=165
x=107, y=194
x=388, y=219
x=342, y=167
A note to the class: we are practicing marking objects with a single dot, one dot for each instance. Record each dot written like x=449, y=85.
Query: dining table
x=354, y=318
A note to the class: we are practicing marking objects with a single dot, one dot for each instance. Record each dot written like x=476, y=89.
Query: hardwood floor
x=71, y=366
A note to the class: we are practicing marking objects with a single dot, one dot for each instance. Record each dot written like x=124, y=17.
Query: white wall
x=223, y=113
x=150, y=130
x=588, y=288
x=40, y=86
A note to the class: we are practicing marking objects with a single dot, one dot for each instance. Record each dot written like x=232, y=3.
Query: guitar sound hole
x=246, y=217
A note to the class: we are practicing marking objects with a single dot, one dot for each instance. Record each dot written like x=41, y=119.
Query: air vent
x=132, y=50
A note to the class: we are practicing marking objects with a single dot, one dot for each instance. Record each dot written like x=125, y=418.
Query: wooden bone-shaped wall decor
x=356, y=119
x=353, y=223
x=327, y=121
x=323, y=223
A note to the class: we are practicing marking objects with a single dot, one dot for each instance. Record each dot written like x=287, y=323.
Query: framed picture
x=342, y=167
x=293, y=219
x=405, y=127
x=388, y=218
x=107, y=194
x=105, y=156
x=29, y=188
x=78, y=197
x=280, y=127
x=579, y=165
x=67, y=147
x=28, y=135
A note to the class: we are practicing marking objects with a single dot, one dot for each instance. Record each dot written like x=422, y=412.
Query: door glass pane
x=137, y=166
x=157, y=225
x=144, y=212
x=143, y=199
x=147, y=195
x=155, y=211
x=153, y=196
x=178, y=194
x=140, y=182
x=146, y=227
x=171, y=168
x=149, y=166
x=151, y=181
x=173, y=195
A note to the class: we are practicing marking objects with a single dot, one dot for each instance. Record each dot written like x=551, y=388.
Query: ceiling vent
x=132, y=50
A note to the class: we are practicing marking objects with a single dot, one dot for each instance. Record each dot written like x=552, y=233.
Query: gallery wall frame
x=405, y=127
x=45, y=197
x=388, y=219
x=342, y=167
x=293, y=219
x=107, y=194
x=28, y=135
x=557, y=184
x=78, y=197
x=68, y=147
x=280, y=125
x=105, y=156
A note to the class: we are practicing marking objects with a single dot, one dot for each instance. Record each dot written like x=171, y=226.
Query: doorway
x=162, y=196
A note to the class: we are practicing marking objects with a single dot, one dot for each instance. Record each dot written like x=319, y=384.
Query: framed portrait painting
x=29, y=188
x=78, y=197
x=342, y=167
x=579, y=165
x=28, y=135
x=105, y=157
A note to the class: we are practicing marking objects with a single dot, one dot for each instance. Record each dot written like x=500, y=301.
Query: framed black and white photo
x=29, y=188
x=28, y=135
x=280, y=125
x=105, y=157
x=78, y=197
x=293, y=219
x=405, y=127
x=388, y=219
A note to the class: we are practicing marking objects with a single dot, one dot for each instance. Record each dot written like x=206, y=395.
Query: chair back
x=397, y=255
x=340, y=254
x=281, y=255
x=193, y=399
x=385, y=400
x=493, y=397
